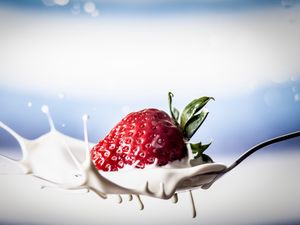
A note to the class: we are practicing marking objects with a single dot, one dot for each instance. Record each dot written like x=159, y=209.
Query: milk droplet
x=297, y=97
x=120, y=200
x=85, y=117
x=175, y=198
x=140, y=202
x=193, y=204
x=89, y=7
x=29, y=104
x=61, y=2
x=45, y=109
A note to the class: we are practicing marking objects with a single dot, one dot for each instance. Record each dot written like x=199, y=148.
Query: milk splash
x=64, y=162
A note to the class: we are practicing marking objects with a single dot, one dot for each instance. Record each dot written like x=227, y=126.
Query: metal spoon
x=251, y=151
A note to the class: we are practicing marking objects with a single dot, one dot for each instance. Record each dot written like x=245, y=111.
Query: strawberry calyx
x=189, y=121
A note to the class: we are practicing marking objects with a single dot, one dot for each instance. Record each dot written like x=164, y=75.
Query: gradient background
x=107, y=58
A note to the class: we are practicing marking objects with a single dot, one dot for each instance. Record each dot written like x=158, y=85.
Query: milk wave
x=64, y=162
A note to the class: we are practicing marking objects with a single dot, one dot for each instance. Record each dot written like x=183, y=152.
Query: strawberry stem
x=191, y=118
x=173, y=111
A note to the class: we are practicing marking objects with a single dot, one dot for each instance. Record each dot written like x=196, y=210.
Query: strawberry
x=151, y=136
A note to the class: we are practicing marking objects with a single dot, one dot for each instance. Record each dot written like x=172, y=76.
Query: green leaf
x=173, y=111
x=194, y=123
x=192, y=108
x=206, y=158
x=198, y=149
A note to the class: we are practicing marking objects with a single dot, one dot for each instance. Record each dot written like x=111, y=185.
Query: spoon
x=251, y=151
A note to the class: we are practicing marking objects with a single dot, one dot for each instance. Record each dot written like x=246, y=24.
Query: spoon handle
x=262, y=145
x=251, y=151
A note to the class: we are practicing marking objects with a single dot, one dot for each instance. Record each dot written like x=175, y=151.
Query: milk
x=64, y=162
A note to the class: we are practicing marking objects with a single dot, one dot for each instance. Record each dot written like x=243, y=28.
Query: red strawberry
x=151, y=135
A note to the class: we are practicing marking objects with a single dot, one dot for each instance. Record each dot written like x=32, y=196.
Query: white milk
x=64, y=162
